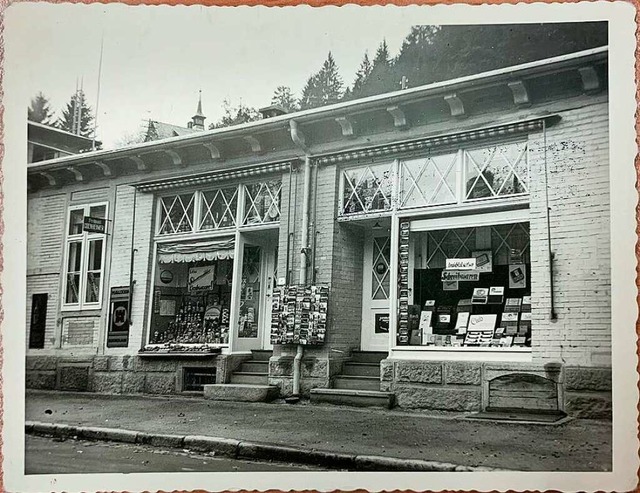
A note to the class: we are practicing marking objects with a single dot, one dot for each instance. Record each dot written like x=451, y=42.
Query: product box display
x=496, y=295
x=480, y=296
x=512, y=305
x=461, y=322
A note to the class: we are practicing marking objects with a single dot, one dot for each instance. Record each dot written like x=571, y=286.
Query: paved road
x=50, y=456
x=579, y=445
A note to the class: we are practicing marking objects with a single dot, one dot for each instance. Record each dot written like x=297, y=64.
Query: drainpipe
x=298, y=139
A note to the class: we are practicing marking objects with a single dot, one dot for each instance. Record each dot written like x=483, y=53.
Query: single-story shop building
x=439, y=247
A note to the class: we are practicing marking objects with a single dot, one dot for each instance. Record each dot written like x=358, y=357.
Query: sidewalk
x=578, y=445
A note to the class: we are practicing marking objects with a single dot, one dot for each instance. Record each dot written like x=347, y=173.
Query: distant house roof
x=160, y=130
x=60, y=140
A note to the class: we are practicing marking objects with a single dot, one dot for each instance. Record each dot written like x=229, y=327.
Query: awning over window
x=195, y=251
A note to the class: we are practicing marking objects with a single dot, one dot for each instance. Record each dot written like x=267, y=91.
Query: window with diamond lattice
x=509, y=239
x=218, y=208
x=428, y=181
x=367, y=189
x=497, y=171
x=176, y=214
x=262, y=202
x=380, y=274
x=450, y=243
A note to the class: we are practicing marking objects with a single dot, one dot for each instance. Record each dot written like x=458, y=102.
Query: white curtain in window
x=195, y=251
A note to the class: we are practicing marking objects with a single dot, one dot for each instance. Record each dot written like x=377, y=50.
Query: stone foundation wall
x=315, y=374
x=465, y=386
x=120, y=374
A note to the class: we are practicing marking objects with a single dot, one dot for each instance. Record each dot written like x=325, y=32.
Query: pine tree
x=323, y=88
x=380, y=77
x=68, y=120
x=39, y=110
x=362, y=74
x=283, y=96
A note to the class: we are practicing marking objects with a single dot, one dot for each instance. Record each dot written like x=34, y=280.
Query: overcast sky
x=157, y=58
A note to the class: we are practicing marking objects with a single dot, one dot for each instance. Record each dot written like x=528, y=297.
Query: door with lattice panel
x=376, y=291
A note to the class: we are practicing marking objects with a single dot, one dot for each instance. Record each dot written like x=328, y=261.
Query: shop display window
x=470, y=287
x=192, y=302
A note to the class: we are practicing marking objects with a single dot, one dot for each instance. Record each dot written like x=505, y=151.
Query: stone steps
x=251, y=378
x=361, y=369
x=368, y=356
x=253, y=366
x=356, y=382
x=240, y=392
x=353, y=397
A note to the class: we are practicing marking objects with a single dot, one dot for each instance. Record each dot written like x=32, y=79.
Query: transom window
x=367, y=189
x=454, y=177
x=218, y=208
x=84, y=263
x=177, y=213
x=210, y=210
x=262, y=202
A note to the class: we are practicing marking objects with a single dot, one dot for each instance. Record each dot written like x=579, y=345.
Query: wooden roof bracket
x=346, y=125
x=520, y=93
x=455, y=105
x=590, y=80
x=399, y=118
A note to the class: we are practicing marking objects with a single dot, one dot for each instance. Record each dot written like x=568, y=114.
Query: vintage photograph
x=321, y=248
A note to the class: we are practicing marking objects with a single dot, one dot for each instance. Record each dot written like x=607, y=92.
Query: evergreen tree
x=324, y=87
x=283, y=96
x=362, y=74
x=77, y=105
x=380, y=76
x=39, y=110
x=235, y=115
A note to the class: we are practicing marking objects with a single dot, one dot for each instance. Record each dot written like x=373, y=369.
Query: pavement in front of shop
x=576, y=445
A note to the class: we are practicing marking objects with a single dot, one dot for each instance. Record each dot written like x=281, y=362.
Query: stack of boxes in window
x=403, y=286
x=299, y=315
x=476, y=320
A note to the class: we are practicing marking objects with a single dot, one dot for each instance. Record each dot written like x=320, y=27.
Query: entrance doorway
x=258, y=278
x=376, y=290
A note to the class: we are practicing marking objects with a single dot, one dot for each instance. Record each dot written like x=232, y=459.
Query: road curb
x=247, y=450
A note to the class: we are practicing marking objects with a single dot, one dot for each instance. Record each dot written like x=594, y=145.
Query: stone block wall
x=315, y=374
x=464, y=386
x=113, y=374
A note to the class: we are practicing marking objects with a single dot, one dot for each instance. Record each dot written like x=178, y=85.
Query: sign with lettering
x=382, y=323
x=119, y=316
x=457, y=275
x=94, y=225
x=461, y=264
x=201, y=278
x=482, y=322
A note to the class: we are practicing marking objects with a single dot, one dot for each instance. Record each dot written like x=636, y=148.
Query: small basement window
x=194, y=379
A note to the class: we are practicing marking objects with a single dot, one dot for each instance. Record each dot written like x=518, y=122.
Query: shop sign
x=94, y=225
x=461, y=264
x=457, y=275
x=517, y=276
x=201, y=278
x=382, y=323
x=118, y=334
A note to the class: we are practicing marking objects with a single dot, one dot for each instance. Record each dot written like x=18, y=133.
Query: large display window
x=465, y=287
x=192, y=293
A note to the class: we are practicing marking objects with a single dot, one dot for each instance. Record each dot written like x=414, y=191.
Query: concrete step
x=250, y=378
x=368, y=356
x=252, y=366
x=356, y=382
x=358, y=398
x=240, y=392
x=361, y=369
x=261, y=354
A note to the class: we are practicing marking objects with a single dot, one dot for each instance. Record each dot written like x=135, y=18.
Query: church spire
x=197, y=120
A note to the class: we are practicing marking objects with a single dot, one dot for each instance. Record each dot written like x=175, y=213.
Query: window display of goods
x=299, y=315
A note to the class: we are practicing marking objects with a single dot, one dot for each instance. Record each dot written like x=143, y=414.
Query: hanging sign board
x=457, y=275
x=461, y=264
x=382, y=323
x=119, y=311
x=94, y=225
